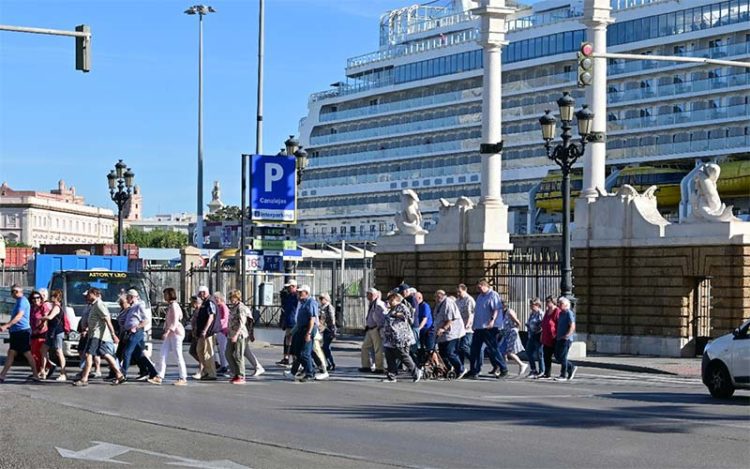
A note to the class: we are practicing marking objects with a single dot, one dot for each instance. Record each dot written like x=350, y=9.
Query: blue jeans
x=488, y=338
x=449, y=352
x=327, y=339
x=464, y=348
x=133, y=351
x=305, y=352
x=562, y=346
x=534, y=352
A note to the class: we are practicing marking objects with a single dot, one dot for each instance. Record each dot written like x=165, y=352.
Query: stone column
x=488, y=222
x=190, y=257
x=596, y=15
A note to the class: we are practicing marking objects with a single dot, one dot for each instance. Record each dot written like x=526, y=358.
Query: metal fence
x=15, y=275
x=526, y=275
x=346, y=289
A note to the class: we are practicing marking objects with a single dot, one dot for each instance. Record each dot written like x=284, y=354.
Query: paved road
x=602, y=419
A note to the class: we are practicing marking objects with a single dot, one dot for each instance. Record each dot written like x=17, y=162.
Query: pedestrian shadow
x=678, y=398
x=654, y=419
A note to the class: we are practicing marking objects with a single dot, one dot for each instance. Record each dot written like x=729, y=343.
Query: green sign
x=274, y=244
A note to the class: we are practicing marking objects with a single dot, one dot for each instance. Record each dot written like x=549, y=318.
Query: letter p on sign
x=274, y=172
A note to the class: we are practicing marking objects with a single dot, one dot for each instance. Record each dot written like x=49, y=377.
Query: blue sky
x=139, y=102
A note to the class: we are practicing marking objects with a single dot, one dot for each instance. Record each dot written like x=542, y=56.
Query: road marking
x=104, y=452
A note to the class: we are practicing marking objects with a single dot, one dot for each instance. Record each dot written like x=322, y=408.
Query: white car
x=726, y=362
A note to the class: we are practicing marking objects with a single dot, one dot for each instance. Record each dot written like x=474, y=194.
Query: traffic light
x=585, y=64
x=83, y=49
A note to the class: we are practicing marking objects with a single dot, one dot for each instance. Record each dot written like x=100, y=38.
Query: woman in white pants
x=174, y=334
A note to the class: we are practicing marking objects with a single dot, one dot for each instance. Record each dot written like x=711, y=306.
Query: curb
x=623, y=367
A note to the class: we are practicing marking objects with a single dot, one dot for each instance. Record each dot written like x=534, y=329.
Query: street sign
x=254, y=261
x=273, y=188
x=273, y=244
x=273, y=263
x=271, y=231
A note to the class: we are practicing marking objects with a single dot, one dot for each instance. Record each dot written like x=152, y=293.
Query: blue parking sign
x=273, y=188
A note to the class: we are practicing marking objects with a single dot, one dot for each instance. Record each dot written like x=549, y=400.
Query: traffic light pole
x=673, y=58
x=82, y=35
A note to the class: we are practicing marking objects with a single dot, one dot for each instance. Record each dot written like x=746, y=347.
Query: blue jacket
x=289, y=305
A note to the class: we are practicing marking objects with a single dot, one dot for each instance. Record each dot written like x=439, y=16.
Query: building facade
x=169, y=222
x=56, y=217
x=409, y=114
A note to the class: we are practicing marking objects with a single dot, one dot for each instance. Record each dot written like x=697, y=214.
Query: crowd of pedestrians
x=403, y=333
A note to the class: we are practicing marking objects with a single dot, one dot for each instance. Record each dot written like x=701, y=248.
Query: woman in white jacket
x=174, y=334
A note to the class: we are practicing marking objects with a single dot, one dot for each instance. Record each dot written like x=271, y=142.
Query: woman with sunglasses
x=39, y=309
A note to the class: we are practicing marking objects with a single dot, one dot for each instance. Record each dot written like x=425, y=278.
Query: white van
x=726, y=362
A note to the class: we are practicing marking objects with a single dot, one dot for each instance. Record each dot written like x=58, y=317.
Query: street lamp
x=565, y=156
x=292, y=147
x=201, y=11
x=120, y=182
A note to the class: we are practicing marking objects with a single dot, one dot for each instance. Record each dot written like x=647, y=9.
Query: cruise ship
x=408, y=116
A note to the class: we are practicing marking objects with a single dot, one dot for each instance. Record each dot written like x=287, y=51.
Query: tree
x=228, y=213
x=155, y=239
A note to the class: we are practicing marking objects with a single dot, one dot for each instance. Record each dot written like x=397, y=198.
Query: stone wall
x=642, y=300
x=432, y=271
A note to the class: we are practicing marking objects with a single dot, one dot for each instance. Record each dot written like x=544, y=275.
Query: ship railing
x=415, y=47
x=397, y=129
x=741, y=143
x=672, y=118
x=395, y=153
x=453, y=96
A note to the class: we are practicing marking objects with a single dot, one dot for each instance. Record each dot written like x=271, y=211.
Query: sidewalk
x=683, y=367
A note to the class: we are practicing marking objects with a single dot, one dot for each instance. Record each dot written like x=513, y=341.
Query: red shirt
x=549, y=327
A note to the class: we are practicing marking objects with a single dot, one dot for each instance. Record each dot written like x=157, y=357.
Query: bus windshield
x=111, y=284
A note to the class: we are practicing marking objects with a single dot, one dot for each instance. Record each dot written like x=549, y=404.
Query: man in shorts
x=20, y=333
x=101, y=338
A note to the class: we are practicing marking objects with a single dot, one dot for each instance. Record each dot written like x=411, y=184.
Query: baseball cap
x=374, y=291
x=132, y=292
x=293, y=283
x=305, y=288
x=203, y=288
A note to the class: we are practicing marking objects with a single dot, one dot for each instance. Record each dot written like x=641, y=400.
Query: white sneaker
x=97, y=374
x=197, y=376
x=462, y=374
x=523, y=370
x=62, y=377
x=561, y=378
x=418, y=375
x=321, y=376
x=259, y=371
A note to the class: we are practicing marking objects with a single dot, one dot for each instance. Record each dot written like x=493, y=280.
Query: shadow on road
x=651, y=419
x=678, y=398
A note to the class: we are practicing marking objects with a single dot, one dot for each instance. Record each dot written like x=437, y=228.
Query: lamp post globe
x=567, y=106
x=291, y=145
x=585, y=118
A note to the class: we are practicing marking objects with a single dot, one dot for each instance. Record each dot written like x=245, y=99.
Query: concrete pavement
x=604, y=418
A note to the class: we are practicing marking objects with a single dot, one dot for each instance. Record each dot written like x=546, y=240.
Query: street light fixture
x=201, y=11
x=565, y=156
x=292, y=147
x=120, y=182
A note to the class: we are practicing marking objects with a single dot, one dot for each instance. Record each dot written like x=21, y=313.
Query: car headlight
x=73, y=335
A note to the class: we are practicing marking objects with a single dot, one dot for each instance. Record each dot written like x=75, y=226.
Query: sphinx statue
x=409, y=219
x=705, y=203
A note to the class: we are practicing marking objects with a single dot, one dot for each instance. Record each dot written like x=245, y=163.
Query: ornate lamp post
x=565, y=155
x=292, y=147
x=120, y=182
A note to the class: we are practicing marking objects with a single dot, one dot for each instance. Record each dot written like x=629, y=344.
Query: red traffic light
x=587, y=49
